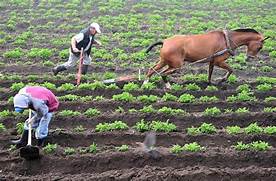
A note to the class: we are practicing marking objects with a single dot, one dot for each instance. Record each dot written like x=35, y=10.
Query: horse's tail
x=153, y=45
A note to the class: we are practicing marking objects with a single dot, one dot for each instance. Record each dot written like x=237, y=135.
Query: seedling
x=142, y=126
x=148, y=86
x=130, y=87
x=20, y=127
x=241, y=146
x=50, y=148
x=169, y=97
x=92, y=148
x=2, y=127
x=260, y=146
x=193, y=147
x=208, y=99
x=270, y=130
x=264, y=87
x=92, y=112
x=193, y=131
x=253, y=128
x=12, y=148
x=233, y=130
x=192, y=87
x=147, y=99
x=186, y=98
x=69, y=151
x=212, y=111
x=160, y=126
x=147, y=109
x=171, y=111
x=211, y=88
x=122, y=148
x=242, y=110
x=207, y=128
x=176, y=149
x=69, y=113
x=125, y=96
x=79, y=129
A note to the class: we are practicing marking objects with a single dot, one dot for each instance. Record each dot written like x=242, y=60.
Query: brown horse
x=213, y=47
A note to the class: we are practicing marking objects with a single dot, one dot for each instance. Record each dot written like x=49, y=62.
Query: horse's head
x=254, y=46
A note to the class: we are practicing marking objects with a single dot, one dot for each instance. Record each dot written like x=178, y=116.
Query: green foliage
x=79, y=129
x=243, y=87
x=192, y=147
x=266, y=80
x=148, y=86
x=64, y=54
x=241, y=146
x=43, y=53
x=112, y=87
x=12, y=148
x=171, y=111
x=92, y=86
x=211, y=88
x=177, y=87
x=192, y=87
x=270, y=109
x=259, y=146
x=214, y=111
x=186, y=98
x=2, y=127
x=266, y=68
x=125, y=96
x=66, y=87
x=160, y=126
x=176, y=149
x=169, y=97
x=20, y=127
x=5, y=114
x=17, y=86
x=233, y=130
x=92, y=112
x=50, y=148
x=130, y=87
x=122, y=148
x=253, y=128
x=208, y=99
x=207, y=128
x=270, y=99
x=69, y=113
x=69, y=97
x=49, y=85
x=147, y=109
x=242, y=110
x=147, y=99
x=142, y=126
x=116, y=125
x=93, y=148
x=69, y=151
x=15, y=54
x=242, y=96
x=232, y=79
x=270, y=130
x=264, y=87
x=193, y=131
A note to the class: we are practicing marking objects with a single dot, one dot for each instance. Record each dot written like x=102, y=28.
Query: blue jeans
x=41, y=125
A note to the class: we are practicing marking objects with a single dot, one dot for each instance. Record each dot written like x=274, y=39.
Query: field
x=204, y=132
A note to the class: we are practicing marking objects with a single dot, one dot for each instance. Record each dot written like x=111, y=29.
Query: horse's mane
x=247, y=30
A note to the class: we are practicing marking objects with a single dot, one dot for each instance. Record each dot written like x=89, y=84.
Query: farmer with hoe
x=43, y=103
x=82, y=40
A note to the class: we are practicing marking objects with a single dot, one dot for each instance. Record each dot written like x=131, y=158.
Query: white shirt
x=79, y=37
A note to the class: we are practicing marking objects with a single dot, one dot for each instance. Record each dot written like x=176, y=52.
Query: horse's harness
x=219, y=53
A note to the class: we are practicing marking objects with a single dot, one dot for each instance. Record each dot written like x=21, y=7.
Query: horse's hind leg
x=153, y=70
x=211, y=68
x=225, y=66
x=165, y=74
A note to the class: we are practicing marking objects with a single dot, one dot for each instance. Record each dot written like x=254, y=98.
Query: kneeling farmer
x=84, y=40
x=43, y=103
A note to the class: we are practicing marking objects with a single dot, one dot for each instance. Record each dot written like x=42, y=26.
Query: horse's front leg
x=211, y=68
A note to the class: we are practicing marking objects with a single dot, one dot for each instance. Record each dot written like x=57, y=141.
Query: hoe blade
x=30, y=152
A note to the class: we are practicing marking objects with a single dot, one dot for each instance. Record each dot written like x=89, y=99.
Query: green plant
x=264, y=87
x=119, y=110
x=93, y=148
x=270, y=109
x=130, y=87
x=92, y=112
x=122, y=148
x=266, y=68
x=5, y=113
x=253, y=128
x=69, y=151
x=176, y=87
x=20, y=127
x=208, y=99
x=214, y=111
x=171, y=111
x=241, y=146
x=270, y=130
x=147, y=109
x=242, y=110
x=193, y=147
x=186, y=98
x=147, y=99
x=160, y=126
x=12, y=148
x=17, y=86
x=233, y=129
x=79, y=129
x=207, y=128
x=211, y=88
x=148, y=86
x=232, y=79
x=112, y=87
x=16, y=53
x=125, y=96
x=270, y=99
x=142, y=126
x=2, y=127
x=69, y=113
x=243, y=87
x=50, y=148
x=259, y=146
x=176, y=149
x=116, y=125
x=192, y=87
x=242, y=96
x=193, y=131
x=66, y=87
x=169, y=97
x=69, y=97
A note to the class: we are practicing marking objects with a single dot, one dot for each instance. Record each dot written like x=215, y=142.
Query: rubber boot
x=58, y=69
x=22, y=141
x=40, y=142
x=84, y=69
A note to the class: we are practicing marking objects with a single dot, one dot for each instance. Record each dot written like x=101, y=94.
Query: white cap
x=96, y=26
